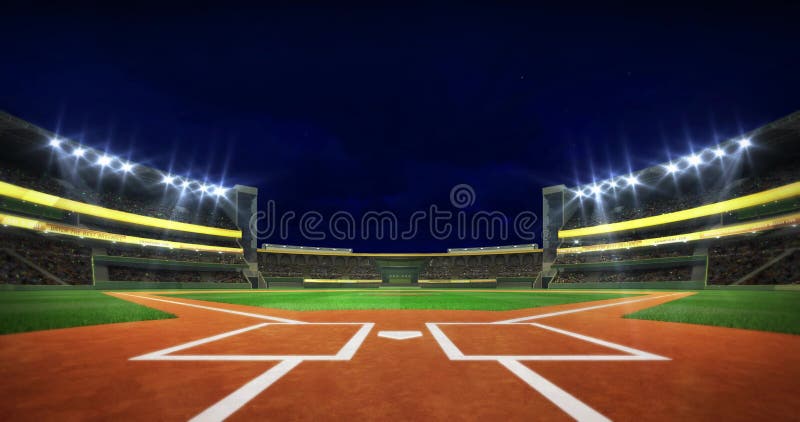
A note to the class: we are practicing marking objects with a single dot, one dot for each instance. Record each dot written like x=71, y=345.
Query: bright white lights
x=78, y=152
x=671, y=168
x=579, y=192
x=204, y=188
x=126, y=167
x=613, y=184
x=55, y=142
x=185, y=184
x=694, y=160
x=168, y=179
x=219, y=191
x=719, y=152
x=744, y=143
x=596, y=190
x=631, y=180
x=104, y=160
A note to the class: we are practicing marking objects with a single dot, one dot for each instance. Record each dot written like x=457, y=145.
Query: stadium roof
x=23, y=140
x=780, y=135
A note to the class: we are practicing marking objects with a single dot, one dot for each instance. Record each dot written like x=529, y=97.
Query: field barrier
x=128, y=285
x=666, y=285
x=764, y=287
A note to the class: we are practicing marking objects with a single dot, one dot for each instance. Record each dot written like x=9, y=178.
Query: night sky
x=365, y=108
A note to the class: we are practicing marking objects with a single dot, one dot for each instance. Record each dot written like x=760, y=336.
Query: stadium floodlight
x=579, y=192
x=671, y=168
x=55, y=143
x=694, y=159
x=719, y=152
x=126, y=167
x=596, y=190
x=104, y=160
x=204, y=188
x=168, y=179
x=744, y=143
x=185, y=184
x=219, y=191
x=631, y=180
x=613, y=184
x=78, y=152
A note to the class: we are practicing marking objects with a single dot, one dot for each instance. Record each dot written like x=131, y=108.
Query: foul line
x=234, y=401
x=588, y=308
x=565, y=401
x=211, y=308
x=161, y=353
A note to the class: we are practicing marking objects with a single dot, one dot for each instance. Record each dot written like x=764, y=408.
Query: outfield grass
x=777, y=311
x=399, y=299
x=22, y=311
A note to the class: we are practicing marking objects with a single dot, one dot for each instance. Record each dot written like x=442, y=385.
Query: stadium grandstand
x=75, y=215
x=724, y=215
x=498, y=266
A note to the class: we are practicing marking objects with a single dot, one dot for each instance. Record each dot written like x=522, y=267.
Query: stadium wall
x=371, y=284
x=161, y=285
x=668, y=285
x=765, y=287
x=38, y=287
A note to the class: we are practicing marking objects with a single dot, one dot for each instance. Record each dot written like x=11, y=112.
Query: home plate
x=399, y=335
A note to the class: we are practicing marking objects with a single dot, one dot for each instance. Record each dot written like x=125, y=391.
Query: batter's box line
x=224, y=408
x=345, y=353
x=568, y=403
x=454, y=353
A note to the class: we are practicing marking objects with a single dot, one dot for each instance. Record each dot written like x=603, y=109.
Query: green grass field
x=43, y=310
x=399, y=299
x=777, y=311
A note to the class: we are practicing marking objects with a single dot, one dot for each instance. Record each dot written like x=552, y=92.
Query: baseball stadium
x=668, y=293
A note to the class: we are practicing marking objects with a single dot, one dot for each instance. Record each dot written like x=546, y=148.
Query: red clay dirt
x=85, y=373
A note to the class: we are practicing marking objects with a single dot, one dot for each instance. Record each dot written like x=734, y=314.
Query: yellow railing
x=457, y=281
x=41, y=198
x=338, y=280
x=61, y=229
x=784, y=192
x=771, y=223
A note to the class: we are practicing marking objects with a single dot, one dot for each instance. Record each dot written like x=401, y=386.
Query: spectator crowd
x=169, y=207
x=683, y=273
x=64, y=259
x=731, y=260
x=138, y=274
x=592, y=213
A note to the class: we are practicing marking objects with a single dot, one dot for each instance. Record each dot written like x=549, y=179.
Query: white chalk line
x=211, y=308
x=346, y=352
x=588, y=308
x=236, y=400
x=565, y=401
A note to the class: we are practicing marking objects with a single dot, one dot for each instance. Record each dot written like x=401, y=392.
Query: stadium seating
x=176, y=255
x=671, y=274
x=730, y=261
x=317, y=266
x=66, y=260
x=749, y=243
x=135, y=274
x=653, y=203
x=171, y=207
x=482, y=267
x=455, y=267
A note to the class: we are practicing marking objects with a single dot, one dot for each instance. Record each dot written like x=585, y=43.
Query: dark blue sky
x=370, y=108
